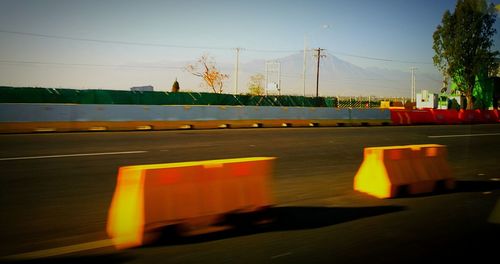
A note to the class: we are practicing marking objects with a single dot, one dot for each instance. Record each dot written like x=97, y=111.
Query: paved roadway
x=55, y=190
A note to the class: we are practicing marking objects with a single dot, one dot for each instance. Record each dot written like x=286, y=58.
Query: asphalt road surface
x=55, y=190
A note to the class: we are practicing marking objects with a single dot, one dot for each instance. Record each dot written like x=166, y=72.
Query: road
x=55, y=190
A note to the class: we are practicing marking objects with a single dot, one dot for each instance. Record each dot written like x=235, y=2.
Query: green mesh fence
x=72, y=96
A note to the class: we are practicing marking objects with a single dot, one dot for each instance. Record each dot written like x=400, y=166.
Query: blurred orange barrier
x=194, y=194
x=388, y=171
x=495, y=214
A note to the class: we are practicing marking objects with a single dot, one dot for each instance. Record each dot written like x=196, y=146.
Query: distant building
x=427, y=100
x=147, y=88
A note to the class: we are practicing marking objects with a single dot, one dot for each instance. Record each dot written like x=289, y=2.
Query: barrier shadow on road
x=476, y=186
x=286, y=218
x=113, y=258
x=461, y=186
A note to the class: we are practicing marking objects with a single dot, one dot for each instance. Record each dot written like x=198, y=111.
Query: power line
x=271, y=51
x=112, y=41
x=289, y=75
x=432, y=79
x=89, y=65
x=381, y=59
x=194, y=47
x=299, y=76
x=136, y=43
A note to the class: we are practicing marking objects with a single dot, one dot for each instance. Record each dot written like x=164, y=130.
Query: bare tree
x=206, y=68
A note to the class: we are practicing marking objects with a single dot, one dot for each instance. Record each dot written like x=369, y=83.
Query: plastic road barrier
x=193, y=194
x=398, y=170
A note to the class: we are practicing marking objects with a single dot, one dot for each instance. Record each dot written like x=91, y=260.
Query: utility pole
x=236, y=70
x=318, y=55
x=304, y=71
x=279, y=78
x=413, y=84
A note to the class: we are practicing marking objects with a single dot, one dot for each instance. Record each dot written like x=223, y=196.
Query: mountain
x=339, y=77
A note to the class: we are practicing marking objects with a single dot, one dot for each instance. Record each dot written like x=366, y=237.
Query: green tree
x=255, y=85
x=463, y=44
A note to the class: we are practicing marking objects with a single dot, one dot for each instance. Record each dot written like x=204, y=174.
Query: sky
x=111, y=44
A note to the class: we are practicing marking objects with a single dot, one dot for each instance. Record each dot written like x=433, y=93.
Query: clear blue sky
x=390, y=29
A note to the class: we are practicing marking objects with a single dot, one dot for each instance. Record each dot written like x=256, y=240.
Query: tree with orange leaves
x=206, y=69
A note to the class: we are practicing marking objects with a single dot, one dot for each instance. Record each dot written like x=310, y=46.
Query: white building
x=147, y=88
x=427, y=100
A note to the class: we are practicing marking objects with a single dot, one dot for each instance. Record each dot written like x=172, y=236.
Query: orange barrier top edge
x=194, y=163
x=406, y=146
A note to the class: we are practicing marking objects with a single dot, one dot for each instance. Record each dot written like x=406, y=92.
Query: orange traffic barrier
x=193, y=194
x=413, y=169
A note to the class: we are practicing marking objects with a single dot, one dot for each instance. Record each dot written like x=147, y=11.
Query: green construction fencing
x=73, y=96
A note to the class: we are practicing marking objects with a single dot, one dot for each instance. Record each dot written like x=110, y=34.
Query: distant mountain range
x=337, y=77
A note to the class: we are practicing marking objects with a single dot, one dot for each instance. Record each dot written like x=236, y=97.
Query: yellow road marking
x=74, y=155
x=61, y=250
x=466, y=135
